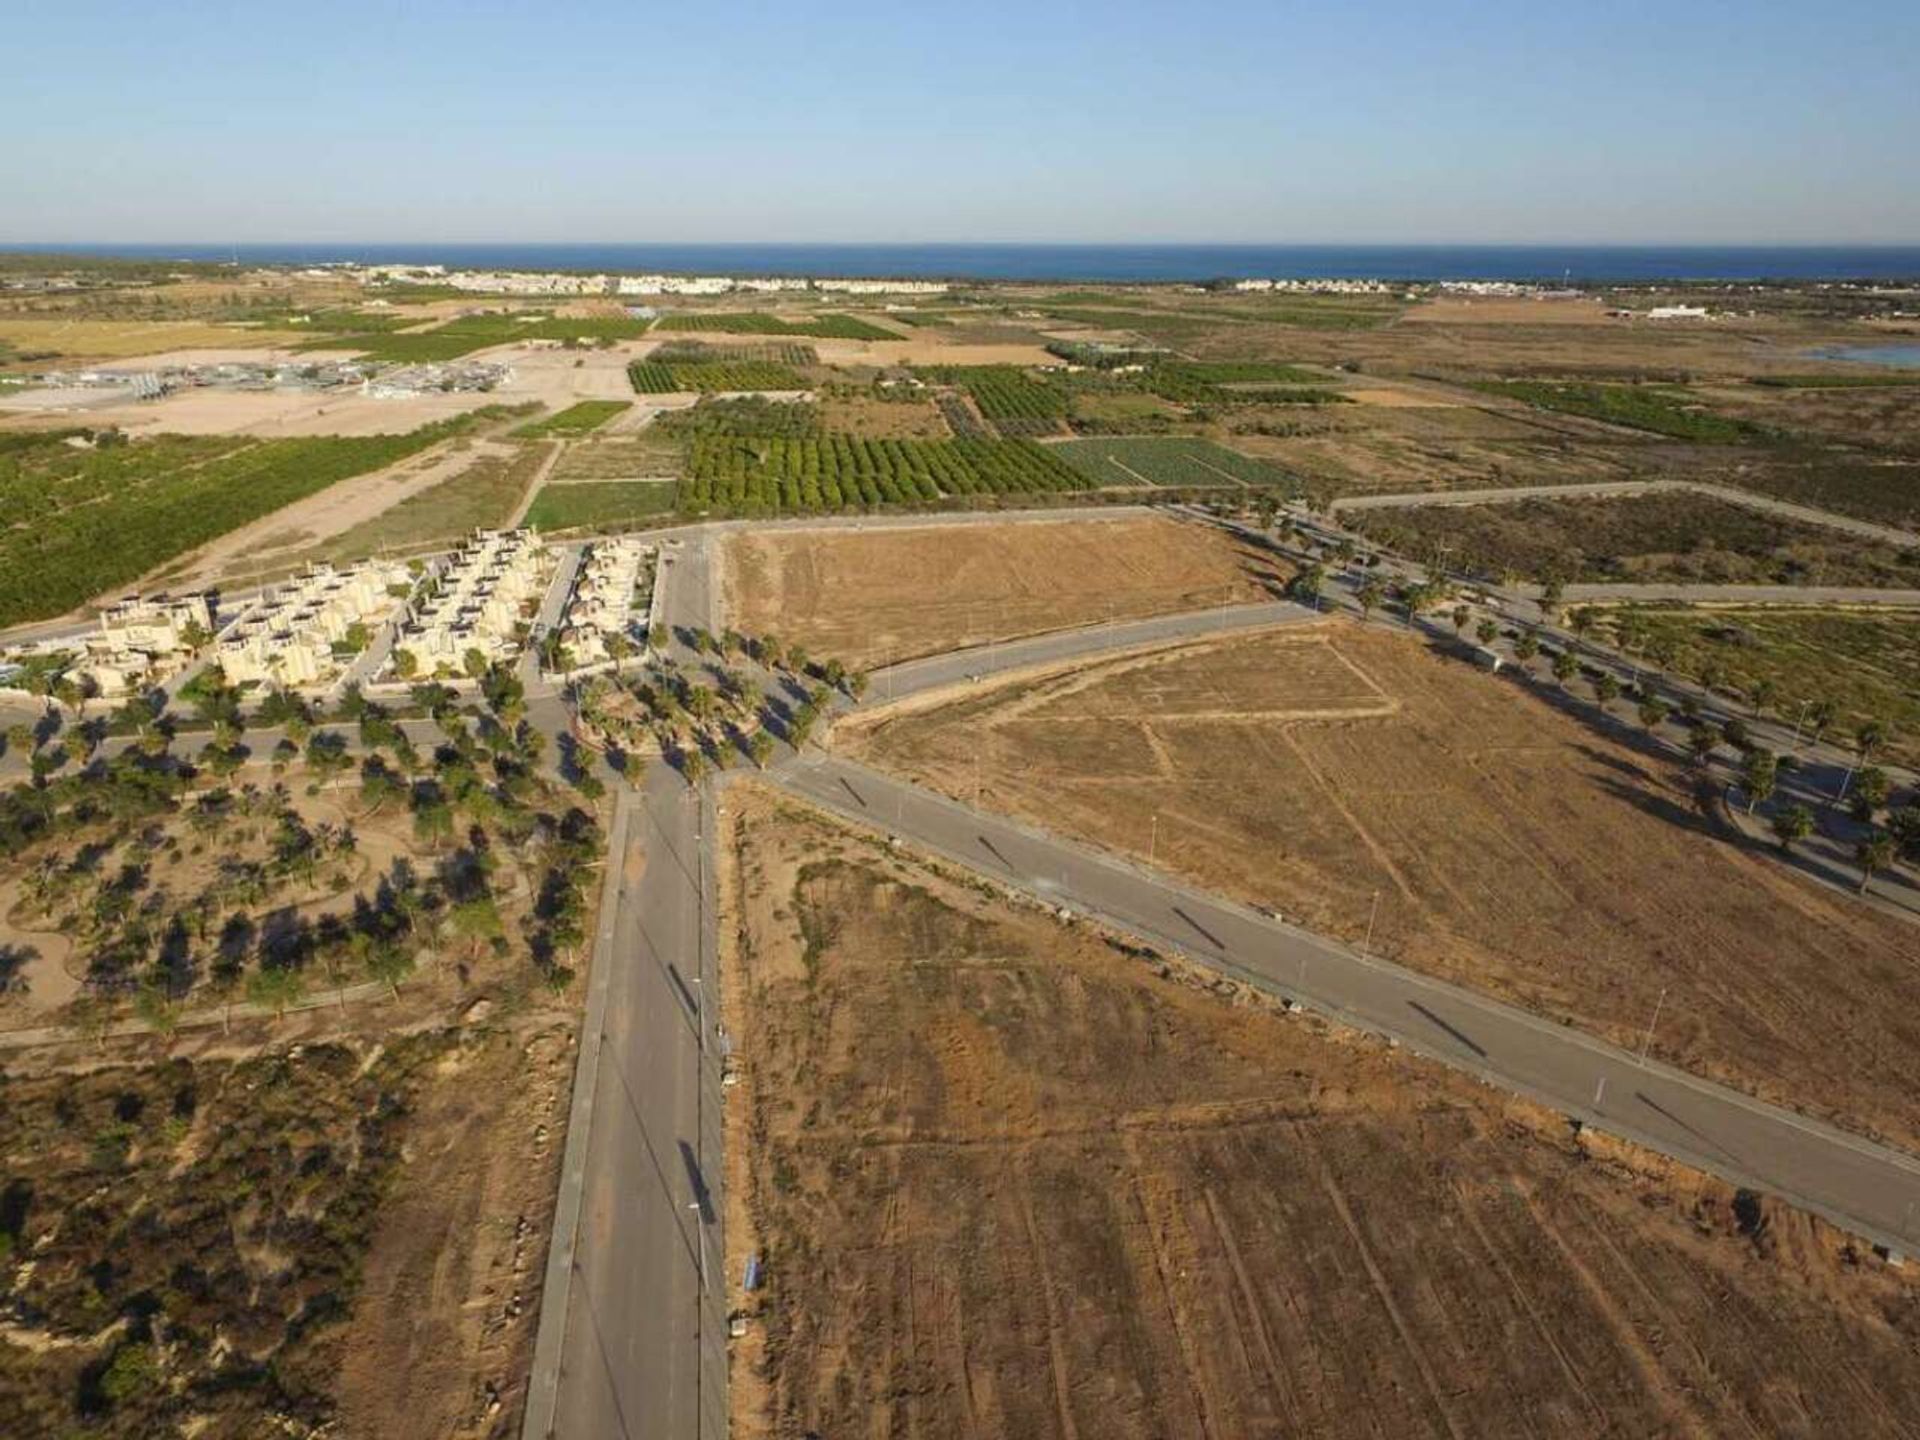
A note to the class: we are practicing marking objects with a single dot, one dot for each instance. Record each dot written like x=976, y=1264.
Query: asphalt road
x=640, y=1348
x=1864, y=1188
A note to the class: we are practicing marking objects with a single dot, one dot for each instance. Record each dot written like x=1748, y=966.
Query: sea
x=1572, y=264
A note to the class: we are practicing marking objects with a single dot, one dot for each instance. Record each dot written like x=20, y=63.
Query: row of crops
x=747, y=416
x=82, y=522
x=1182, y=462
x=1013, y=400
x=734, y=475
x=756, y=322
x=651, y=377
x=766, y=352
x=575, y=420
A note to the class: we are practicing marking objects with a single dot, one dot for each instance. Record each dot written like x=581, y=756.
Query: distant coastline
x=1070, y=264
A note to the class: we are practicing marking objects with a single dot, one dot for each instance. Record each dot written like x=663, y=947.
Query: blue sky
x=1202, y=121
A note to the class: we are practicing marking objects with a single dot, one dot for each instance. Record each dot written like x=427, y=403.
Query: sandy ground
x=927, y=348
x=1511, y=847
x=1007, y=1181
x=872, y=596
x=269, y=414
x=82, y=340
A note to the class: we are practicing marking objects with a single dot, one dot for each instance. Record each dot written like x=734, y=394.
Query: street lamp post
x=1646, y=1041
x=1153, y=838
x=1372, y=914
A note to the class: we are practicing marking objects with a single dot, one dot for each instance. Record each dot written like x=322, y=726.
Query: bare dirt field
x=269, y=414
x=869, y=596
x=884, y=419
x=1511, y=847
x=929, y=347
x=1453, y=310
x=1007, y=1180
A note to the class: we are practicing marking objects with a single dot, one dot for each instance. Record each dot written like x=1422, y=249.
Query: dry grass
x=1512, y=848
x=1008, y=1181
x=895, y=593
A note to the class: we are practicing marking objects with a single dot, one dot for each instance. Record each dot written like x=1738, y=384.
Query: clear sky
x=1185, y=120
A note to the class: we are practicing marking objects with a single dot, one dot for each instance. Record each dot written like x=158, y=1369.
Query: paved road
x=630, y=1344
x=1732, y=495
x=1867, y=1189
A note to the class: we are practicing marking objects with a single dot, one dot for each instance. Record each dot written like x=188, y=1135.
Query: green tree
x=1460, y=617
x=1760, y=774
x=1653, y=711
x=1869, y=792
x=1371, y=593
x=1792, y=825
x=1307, y=585
x=1565, y=666
x=276, y=988
x=1606, y=689
x=1486, y=632
x=1874, y=853
x=761, y=748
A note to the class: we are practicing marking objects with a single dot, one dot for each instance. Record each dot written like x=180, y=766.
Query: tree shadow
x=14, y=960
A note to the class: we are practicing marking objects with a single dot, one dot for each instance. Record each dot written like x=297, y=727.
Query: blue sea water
x=1137, y=263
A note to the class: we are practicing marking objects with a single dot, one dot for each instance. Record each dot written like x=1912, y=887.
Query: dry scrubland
x=347, y=1233
x=868, y=597
x=1010, y=1181
x=1514, y=849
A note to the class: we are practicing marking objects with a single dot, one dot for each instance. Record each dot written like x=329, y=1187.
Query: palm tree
x=1875, y=852
x=1792, y=824
x=1653, y=710
x=1372, y=592
x=1487, y=632
x=1762, y=773
x=1606, y=689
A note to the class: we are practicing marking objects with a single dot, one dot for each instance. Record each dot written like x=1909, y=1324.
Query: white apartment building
x=612, y=574
x=288, y=638
x=478, y=595
x=673, y=285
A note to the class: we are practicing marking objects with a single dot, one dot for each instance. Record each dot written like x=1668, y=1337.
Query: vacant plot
x=327, y=1237
x=878, y=419
x=1005, y=1180
x=481, y=495
x=1667, y=536
x=597, y=504
x=574, y=421
x=1510, y=847
x=68, y=340
x=1866, y=663
x=867, y=596
x=1181, y=461
x=646, y=456
x=1661, y=409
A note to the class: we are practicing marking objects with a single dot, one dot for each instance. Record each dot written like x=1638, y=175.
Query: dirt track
x=1008, y=1181
x=1511, y=848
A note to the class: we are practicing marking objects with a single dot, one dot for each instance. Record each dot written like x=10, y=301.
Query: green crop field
x=763, y=352
x=1656, y=408
x=594, y=505
x=1179, y=461
x=1015, y=402
x=468, y=333
x=755, y=322
x=747, y=416
x=729, y=474
x=649, y=377
x=578, y=419
x=81, y=522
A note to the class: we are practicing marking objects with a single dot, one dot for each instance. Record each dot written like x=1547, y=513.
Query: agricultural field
x=1176, y=461
x=83, y=521
x=1009, y=1179
x=643, y=455
x=231, y=1244
x=1866, y=663
x=1014, y=402
x=1511, y=847
x=1659, y=409
x=601, y=504
x=848, y=410
x=744, y=416
x=576, y=420
x=733, y=475
x=482, y=495
x=650, y=377
x=819, y=327
x=1678, y=537
x=893, y=594
x=465, y=334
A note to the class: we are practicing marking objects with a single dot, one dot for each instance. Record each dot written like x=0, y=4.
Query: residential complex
x=474, y=602
x=609, y=601
x=304, y=632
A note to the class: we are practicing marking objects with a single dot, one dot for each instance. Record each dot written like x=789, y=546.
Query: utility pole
x=1153, y=838
x=1372, y=915
x=1646, y=1041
